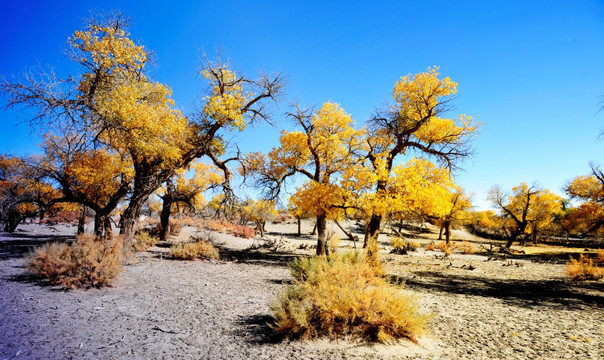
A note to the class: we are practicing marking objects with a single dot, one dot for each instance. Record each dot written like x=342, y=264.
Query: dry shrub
x=175, y=227
x=466, y=247
x=333, y=241
x=83, y=264
x=402, y=246
x=216, y=225
x=342, y=295
x=430, y=247
x=446, y=248
x=143, y=240
x=600, y=256
x=583, y=269
x=243, y=231
x=201, y=249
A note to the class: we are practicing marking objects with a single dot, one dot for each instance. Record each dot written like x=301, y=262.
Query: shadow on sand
x=256, y=330
x=523, y=293
x=18, y=244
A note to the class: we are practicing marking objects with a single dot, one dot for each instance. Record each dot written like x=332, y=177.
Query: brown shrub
x=466, y=247
x=600, y=256
x=243, y=231
x=430, y=247
x=583, y=269
x=175, y=227
x=447, y=249
x=342, y=295
x=201, y=249
x=85, y=263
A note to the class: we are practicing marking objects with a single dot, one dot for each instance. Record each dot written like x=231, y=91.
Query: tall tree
x=414, y=123
x=319, y=153
x=114, y=103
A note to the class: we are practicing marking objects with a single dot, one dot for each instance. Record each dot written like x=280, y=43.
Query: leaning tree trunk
x=322, y=245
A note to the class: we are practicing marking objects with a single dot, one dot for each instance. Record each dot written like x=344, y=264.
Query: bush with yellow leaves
x=342, y=295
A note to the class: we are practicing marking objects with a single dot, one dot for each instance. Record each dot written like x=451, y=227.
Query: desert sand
x=484, y=306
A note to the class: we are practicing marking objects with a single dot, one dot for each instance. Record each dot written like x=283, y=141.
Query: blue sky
x=531, y=71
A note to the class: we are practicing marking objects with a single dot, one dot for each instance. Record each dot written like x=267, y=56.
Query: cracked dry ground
x=219, y=310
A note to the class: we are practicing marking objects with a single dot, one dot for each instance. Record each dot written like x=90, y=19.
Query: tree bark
x=299, y=226
x=81, y=221
x=373, y=229
x=164, y=217
x=322, y=246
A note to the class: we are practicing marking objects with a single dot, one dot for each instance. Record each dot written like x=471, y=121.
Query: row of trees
x=114, y=134
x=115, y=137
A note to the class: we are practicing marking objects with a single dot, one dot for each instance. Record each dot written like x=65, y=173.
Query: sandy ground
x=164, y=309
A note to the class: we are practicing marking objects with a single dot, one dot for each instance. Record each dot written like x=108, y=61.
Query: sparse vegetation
x=402, y=246
x=465, y=247
x=583, y=269
x=83, y=264
x=342, y=295
x=446, y=248
x=143, y=240
x=200, y=249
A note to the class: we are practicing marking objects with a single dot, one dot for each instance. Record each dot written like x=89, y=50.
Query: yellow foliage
x=583, y=269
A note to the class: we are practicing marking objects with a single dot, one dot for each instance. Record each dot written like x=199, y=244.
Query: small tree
x=528, y=209
x=588, y=217
x=259, y=212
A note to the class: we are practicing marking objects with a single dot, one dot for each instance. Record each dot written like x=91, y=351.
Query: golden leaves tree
x=186, y=190
x=23, y=193
x=414, y=122
x=528, y=209
x=115, y=106
x=319, y=153
x=588, y=217
x=458, y=211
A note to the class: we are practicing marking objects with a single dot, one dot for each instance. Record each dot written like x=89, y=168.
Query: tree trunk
x=260, y=227
x=373, y=229
x=99, y=225
x=322, y=246
x=81, y=221
x=440, y=234
x=108, y=228
x=314, y=229
x=349, y=235
x=447, y=226
x=299, y=226
x=164, y=217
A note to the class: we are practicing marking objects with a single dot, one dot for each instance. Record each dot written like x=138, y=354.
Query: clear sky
x=531, y=71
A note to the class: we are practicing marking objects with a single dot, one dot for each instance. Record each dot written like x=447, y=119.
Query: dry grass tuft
x=430, y=247
x=466, y=247
x=84, y=264
x=600, y=256
x=402, y=246
x=447, y=249
x=200, y=249
x=342, y=295
x=583, y=269
x=143, y=240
